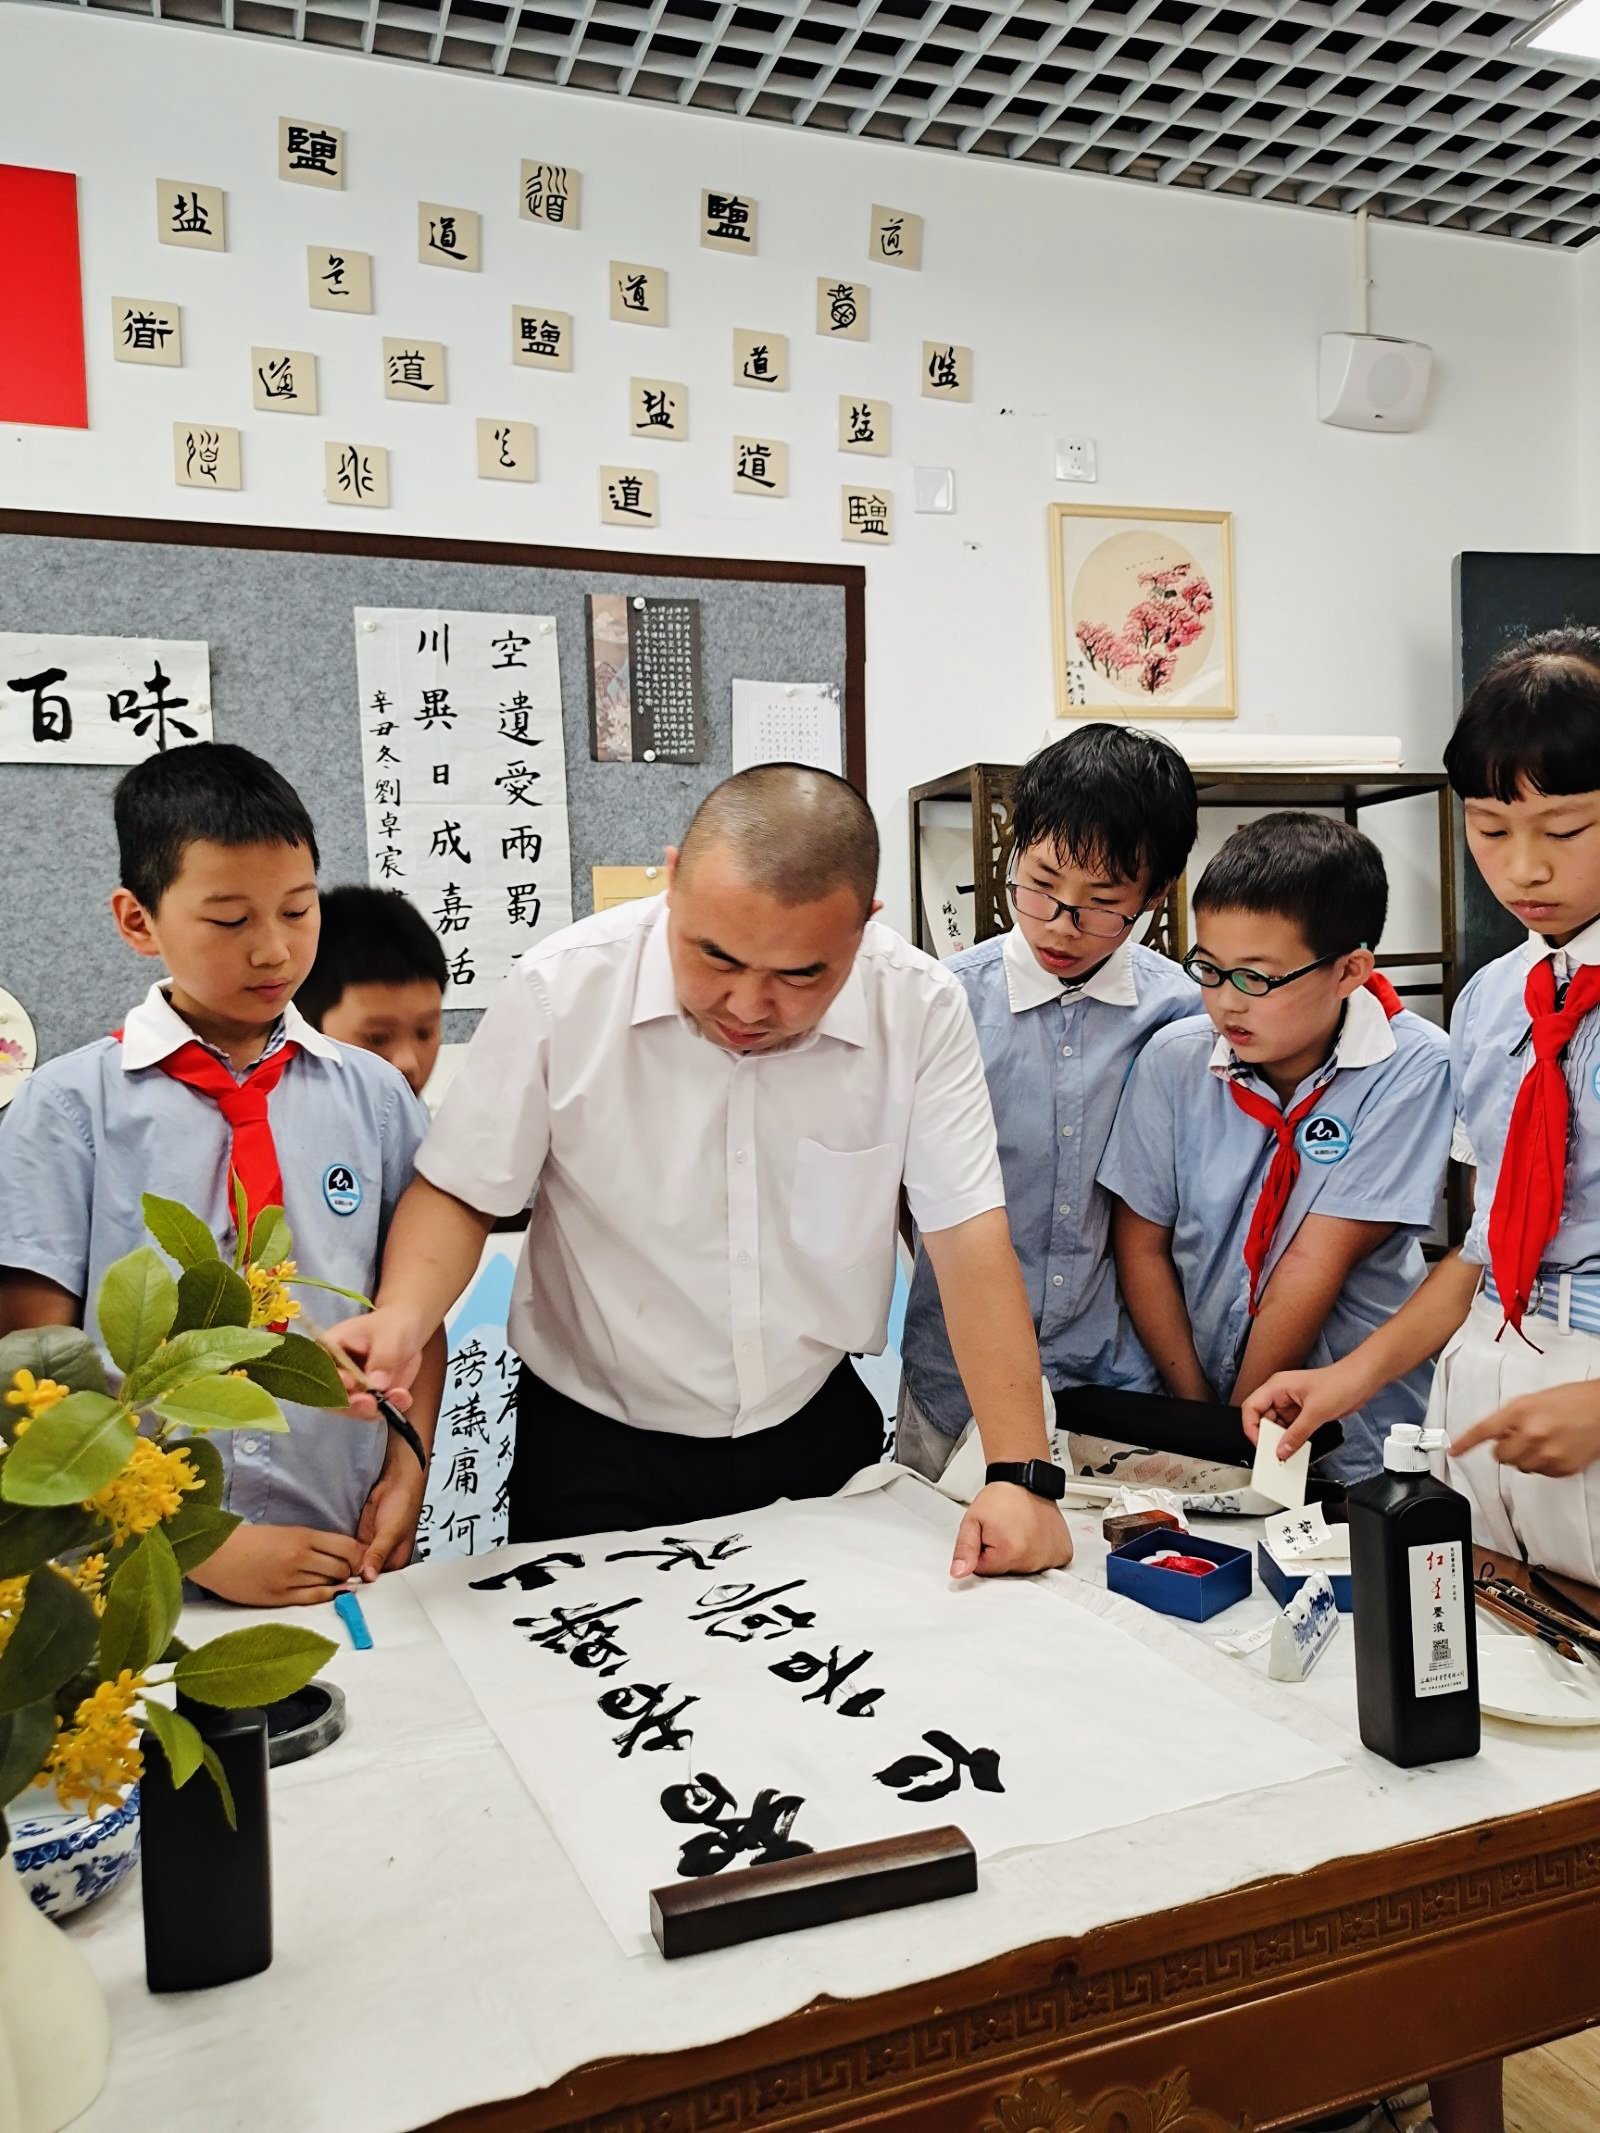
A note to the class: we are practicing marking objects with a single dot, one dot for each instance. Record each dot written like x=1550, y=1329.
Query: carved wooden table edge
x=1016, y=2018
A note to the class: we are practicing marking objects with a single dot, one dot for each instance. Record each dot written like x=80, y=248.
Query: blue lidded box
x=1285, y=1584
x=1177, y=1592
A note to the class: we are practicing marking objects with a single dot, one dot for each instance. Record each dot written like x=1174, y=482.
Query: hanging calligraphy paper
x=895, y=238
x=466, y=780
x=760, y=360
x=100, y=699
x=742, y=1690
x=338, y=280
x=646, y=702
x=41, y=296
x=194, y=217
x=465, y=1509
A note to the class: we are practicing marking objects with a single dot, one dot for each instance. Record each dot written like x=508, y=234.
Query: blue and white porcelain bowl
x=65, y=1859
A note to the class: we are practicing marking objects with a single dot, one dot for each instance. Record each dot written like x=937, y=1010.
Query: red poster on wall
x=41, y=299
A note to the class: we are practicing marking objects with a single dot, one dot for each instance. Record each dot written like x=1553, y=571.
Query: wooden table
x=1279, y=2000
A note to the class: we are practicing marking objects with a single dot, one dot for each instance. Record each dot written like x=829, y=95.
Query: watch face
x=1044, y=1479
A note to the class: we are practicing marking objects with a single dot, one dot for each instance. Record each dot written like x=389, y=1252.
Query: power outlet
x=1075, y=459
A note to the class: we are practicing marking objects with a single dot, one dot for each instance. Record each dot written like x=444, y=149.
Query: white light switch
x=933, y=489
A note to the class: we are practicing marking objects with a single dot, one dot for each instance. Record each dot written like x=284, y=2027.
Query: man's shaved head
x=794, y=833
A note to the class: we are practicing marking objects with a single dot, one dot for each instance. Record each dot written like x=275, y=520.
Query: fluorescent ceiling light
x=1574, y=30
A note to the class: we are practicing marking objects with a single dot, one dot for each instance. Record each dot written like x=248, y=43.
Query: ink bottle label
x=1438, y=1618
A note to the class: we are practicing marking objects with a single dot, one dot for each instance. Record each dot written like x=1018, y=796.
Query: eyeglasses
x=1254, y=982
x=1089, y=919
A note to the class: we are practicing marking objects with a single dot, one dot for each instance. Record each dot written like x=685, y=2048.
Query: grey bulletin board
x=274, y=604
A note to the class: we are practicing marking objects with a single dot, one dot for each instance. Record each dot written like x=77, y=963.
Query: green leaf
x=137, y=1303
x=64, y=1353
x=179, y=1737
x=174, y=1651
x=302, y=1371
x=219, y=1778
x=211, y=1294
x=143, y=1603
x=221, y=1403
x=241, y=1221
x=199, y=1354
x=25, y=1738
x=271, y=1241
x=198, y=1531
x=30, y=1536
x=76, y=1448
x=331, y=1288
x=252, y=1666
x=54, y=1639
x=180, y=1234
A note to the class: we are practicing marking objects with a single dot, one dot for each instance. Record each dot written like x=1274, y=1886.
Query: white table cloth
x=436, y=1950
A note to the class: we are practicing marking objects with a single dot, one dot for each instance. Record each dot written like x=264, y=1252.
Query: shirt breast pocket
x=843, y=1209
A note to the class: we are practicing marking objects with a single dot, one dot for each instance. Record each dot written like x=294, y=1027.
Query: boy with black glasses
x=1276, y=1162
x=1103, y=822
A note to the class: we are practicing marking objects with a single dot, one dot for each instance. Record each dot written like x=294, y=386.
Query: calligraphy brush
x=1548, y=1586
x=1539, y=1611
x=386, y=1408
x=1561, y=1645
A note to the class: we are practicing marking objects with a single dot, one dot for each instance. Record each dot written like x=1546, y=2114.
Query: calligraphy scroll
x=466, y=780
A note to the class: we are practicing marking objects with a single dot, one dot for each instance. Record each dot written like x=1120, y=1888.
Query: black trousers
x=575, y=1472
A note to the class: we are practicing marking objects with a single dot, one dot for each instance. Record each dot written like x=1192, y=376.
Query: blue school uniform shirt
x=1056, y=1058
x=1373, y=1149
x=1489, y=1054
x=90, y=1133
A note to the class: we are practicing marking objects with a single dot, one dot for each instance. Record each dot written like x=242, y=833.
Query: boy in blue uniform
x=378, y=980
x=218, y=869
x=1516, y=1311
x=1103, y=823
x=1514, y=1314
x=1275, y=1161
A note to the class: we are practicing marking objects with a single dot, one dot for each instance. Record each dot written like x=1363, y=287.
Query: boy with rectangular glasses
x=1276, y=1162
x=1103, y=821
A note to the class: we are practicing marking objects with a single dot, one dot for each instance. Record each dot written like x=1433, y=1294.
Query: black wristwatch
x=1038, y=1476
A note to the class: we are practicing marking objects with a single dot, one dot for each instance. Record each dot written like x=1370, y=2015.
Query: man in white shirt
x=712, y=1100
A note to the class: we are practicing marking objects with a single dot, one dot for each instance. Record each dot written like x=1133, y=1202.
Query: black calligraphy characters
x=651, y=1726
x=912, y=1776
x=726, y=1835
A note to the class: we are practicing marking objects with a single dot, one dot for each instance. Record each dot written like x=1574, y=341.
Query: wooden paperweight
x=754, y=1902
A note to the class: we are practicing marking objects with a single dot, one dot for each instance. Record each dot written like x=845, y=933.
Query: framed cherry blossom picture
x=1143, y=606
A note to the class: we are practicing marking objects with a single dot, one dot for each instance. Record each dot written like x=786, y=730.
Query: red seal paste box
x=1178, y=1592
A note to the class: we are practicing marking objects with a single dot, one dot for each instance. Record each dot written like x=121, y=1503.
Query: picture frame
x=1143, y=612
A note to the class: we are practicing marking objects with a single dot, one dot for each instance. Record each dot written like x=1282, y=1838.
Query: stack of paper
x=1204, y=748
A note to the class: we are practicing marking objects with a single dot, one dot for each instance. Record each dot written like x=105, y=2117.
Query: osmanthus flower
x=270, y=1301
x=149, y=1490
x=11, y=1597
x=95, y=1755
x=34, y=1396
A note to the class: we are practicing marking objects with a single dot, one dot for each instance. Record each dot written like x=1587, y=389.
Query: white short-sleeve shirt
x=710, y=1233
x=1490, y=1054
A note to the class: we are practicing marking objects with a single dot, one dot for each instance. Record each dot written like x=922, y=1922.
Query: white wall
x=1586, y=458
x=1179, y=331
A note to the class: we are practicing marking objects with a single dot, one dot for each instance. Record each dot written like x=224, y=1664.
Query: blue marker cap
x=348, y=1608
